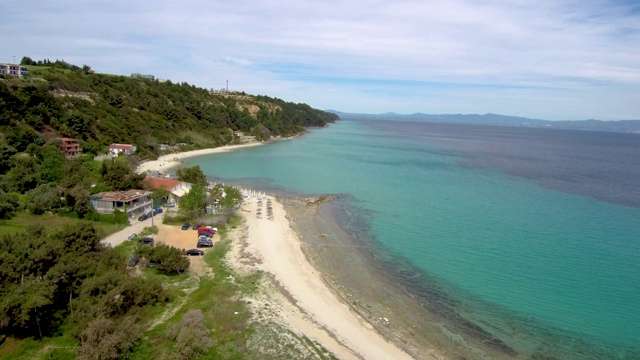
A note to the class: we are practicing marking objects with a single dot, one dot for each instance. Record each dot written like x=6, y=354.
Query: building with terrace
x=13, y=70
x=131, y=202
x=70, y=148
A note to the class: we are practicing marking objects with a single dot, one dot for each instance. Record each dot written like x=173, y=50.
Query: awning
x=180, y=192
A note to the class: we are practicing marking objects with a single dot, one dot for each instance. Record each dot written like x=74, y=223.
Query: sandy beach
x=168, y=161
x=311, y=307
x=305, y=303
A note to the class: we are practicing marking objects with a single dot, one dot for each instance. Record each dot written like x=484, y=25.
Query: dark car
x=194, y=252
x=133, y=261
x=195, y=226
x=157, y=211
x=186, y=226
x=204, y=243
x=144, y=217
x=146, y=240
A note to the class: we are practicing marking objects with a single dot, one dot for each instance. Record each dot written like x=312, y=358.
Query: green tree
x=9, y=204
x=6, y=152
x=160, y=195
x=24, y=174
x=168, y=259
x=229, y=201
x=193, y=175
x=119, y=174
x=52, y=165
x=43, y=198
x=192, y=203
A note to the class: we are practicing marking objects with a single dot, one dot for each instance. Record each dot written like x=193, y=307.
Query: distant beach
x=165, y=162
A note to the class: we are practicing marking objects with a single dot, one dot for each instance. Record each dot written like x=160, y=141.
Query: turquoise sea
x=534, y=233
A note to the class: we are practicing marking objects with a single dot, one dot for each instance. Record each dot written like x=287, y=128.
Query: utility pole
x=14, y=59
x=227, y=86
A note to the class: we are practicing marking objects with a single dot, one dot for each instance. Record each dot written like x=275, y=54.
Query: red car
x=204, y=230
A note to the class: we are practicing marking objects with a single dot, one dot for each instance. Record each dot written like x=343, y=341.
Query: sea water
x=534, y=232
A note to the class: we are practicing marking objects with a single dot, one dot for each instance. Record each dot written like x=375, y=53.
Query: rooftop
x=157, y=183
x=123, y=196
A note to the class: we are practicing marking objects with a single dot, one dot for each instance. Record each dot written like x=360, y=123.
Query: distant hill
x=63, y=100
x=631, y=126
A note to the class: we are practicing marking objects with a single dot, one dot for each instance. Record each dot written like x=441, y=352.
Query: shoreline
x=168, y=161
x=308, y=305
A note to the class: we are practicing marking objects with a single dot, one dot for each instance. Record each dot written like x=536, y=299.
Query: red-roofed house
x=70, y=147
x=126, y=149
x=177, y=188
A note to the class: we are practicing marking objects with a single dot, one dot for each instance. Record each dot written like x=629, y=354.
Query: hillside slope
x=100, y=109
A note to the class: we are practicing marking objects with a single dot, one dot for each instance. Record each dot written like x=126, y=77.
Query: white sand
x=326, y=318
x=317, y=313
x=168, y=161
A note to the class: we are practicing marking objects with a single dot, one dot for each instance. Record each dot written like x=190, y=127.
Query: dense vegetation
x=65, y=294
x=58, y=99
x=67, y=101
x=51, y=279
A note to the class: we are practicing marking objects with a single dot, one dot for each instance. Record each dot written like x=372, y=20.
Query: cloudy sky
x=544, y=59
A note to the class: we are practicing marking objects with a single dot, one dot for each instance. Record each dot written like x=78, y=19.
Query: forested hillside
x=63, y=100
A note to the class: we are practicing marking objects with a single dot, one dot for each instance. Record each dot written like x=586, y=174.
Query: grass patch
x=23, y=220
x=62, y=347
x=225, y=314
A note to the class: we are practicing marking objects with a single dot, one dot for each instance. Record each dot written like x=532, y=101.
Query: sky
x=553, y=60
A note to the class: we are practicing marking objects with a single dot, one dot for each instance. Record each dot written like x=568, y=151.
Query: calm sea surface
x=534, y=232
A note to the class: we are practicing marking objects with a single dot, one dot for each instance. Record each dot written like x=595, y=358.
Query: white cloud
x=549, y=59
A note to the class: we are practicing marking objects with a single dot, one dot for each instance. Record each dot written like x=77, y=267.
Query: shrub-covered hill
x=99, y=109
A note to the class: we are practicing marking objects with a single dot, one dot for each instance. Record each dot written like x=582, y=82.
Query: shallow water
x=530, y=235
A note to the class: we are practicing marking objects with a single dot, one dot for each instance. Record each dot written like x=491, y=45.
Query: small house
x=70, y=148
x=126, y=149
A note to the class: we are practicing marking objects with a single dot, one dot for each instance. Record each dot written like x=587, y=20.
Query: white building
x=126, y=149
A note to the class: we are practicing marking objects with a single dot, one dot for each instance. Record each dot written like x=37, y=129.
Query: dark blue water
x=532, y=232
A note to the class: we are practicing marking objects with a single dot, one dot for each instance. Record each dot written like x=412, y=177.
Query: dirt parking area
x=173, y=235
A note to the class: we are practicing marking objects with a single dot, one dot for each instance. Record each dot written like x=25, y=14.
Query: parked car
x=186, y=226
x=170, y=205
x=204, y=243
x=151, y=264
x=195, y=226
x=131, y=236
x=194, y=252
x=206, y=230
x=146, y=240
x=157, y=211
x=133, y=261
x=144, y=217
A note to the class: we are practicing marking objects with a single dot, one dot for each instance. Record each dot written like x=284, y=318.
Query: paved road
x=121, y=236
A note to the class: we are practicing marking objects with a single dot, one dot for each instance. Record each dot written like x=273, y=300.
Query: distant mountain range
x=630, y=126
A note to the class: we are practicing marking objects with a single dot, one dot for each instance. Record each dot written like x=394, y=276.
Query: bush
x=106, y=338
x=168, y=259
x=191, y=335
